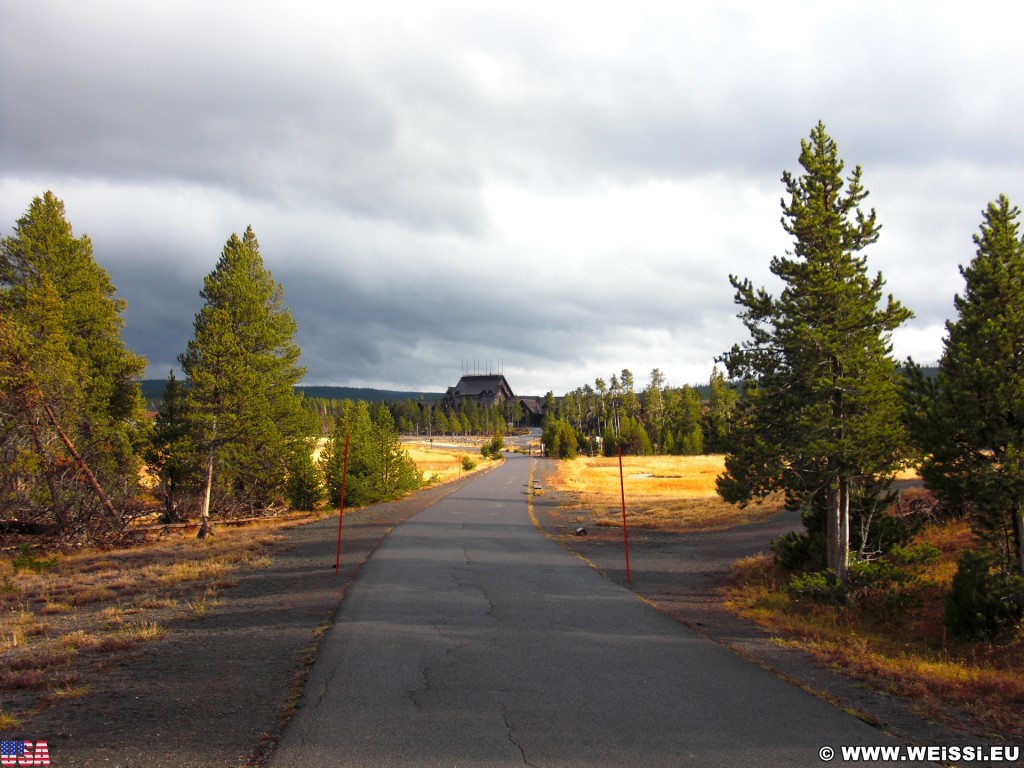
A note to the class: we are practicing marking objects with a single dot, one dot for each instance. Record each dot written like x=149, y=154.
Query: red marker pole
x=341, y=510
x=625, y=535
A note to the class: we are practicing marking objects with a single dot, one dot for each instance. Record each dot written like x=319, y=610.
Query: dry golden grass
x=669, y=493
x=67, y=690
x=443, y=462
x=912, y=656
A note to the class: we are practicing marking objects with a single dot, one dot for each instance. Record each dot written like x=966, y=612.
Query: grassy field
x=444, y=462
x=670, y=493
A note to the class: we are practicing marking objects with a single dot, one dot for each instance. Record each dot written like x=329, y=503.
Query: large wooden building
x=489, y=390
x=486, y=390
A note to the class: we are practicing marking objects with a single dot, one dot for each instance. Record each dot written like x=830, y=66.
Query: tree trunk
x=1018, y=536
x=837, y=528
x=843, y=543
x=115, y=519
x=51, y=480
x=832, y=516
x=206, y=528
x=170, y=507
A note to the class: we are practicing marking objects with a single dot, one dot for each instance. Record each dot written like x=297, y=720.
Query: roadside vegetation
x=66, y=618
x=889, y=630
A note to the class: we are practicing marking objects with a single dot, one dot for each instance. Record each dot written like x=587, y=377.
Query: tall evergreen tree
x=720, y=404
x=823, y=408
x=685, y=422
x=398, y=472
x=242, y=365
x=172, y=450
x=970, y=422
x=654, y=408
x=71, y=395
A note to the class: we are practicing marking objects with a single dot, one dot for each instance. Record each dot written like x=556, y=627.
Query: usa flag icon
x=18, y=752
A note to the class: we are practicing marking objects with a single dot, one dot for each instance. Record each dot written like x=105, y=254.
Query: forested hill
x=364, y=393
x=153, y=392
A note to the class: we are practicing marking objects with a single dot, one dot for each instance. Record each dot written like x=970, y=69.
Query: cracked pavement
x=470, y=639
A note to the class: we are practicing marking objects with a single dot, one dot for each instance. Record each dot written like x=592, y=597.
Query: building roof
x=479, y=386
x=533, y=405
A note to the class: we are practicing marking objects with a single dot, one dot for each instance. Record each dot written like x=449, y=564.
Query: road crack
x=511, y=735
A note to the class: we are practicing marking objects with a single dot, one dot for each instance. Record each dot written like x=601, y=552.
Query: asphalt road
x=470, y=639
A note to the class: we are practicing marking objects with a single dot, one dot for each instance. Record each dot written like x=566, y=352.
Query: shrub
x=821, y=585
x=27, y=561
x=468, y=463
x=879, y=574
x=790, y=550
x=798, y=551
x=919, y=554
x=980, y=603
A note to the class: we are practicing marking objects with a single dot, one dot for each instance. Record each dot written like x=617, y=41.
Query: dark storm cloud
x=439, y=183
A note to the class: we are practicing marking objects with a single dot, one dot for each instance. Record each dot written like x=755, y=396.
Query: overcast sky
x=564, y=187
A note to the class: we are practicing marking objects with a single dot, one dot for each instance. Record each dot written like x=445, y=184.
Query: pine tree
x=823, y=407
x=172, y=450
x=559, y=439
x=398, y=472
x=970, y=423
x=242, y=366
x=720, y=404
x=70, y=383
x=654, y=409
x=305, y=483
x=441, y=425
x=378, y=467
x=332, y=457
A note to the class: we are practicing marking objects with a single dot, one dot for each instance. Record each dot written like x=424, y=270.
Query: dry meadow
x=669, y=493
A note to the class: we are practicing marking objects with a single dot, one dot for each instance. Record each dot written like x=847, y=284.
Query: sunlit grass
x=443, y=463
x=67, y=690
x=670, y=493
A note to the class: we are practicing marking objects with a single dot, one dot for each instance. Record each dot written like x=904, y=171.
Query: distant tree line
x=427, y=418
x=612, y=415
